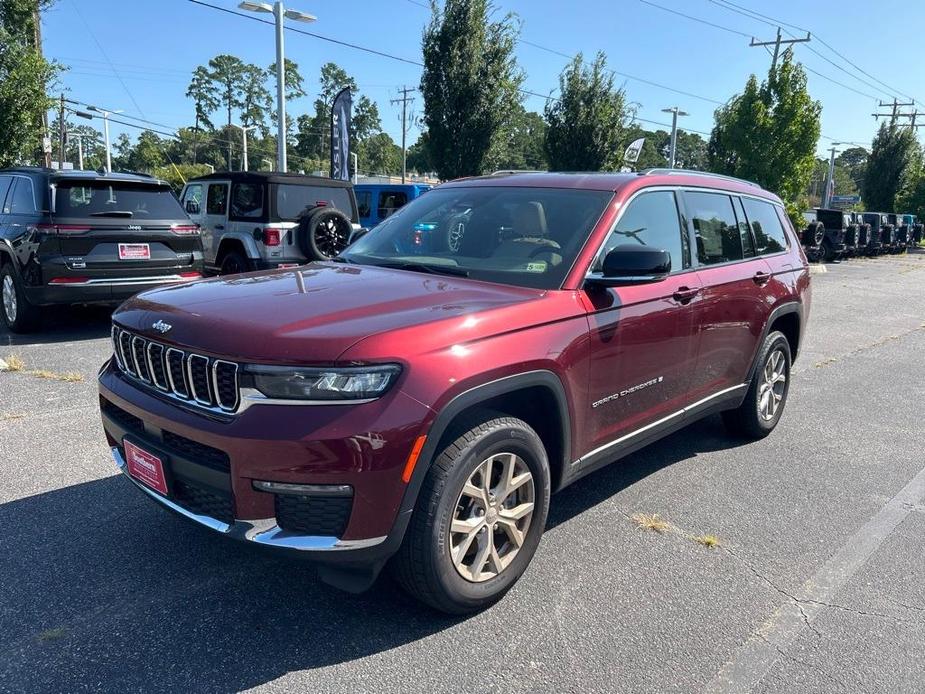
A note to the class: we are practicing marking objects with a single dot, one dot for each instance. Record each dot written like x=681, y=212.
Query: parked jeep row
x=831, y=235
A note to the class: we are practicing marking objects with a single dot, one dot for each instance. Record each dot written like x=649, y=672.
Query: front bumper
x=264, y=531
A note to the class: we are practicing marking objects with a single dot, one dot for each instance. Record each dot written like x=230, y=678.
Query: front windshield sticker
x=536, y=267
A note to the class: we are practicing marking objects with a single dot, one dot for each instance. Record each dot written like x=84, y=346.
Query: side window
x=218, y=198
x=748, y=246
x=192, y=199
x=247, y=201
x=769, y=232
x=5, y=183
x=363, y=200
x=389, y=201
x=22, y=201
x=715, y=227
x=652, y=219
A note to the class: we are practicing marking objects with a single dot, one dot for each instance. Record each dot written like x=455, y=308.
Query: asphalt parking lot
x=816, y=586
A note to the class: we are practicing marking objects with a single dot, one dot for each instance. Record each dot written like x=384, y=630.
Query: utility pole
x=46, y=134
x=106, y=115
x=404, y=100
x=243, y=130
x=80, y=150
x=777, y=44
x=62, y=134
x=675, y=112
x=894, y=114
x=830, y=178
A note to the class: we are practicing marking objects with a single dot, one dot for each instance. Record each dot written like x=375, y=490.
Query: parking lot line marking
x=754, y=659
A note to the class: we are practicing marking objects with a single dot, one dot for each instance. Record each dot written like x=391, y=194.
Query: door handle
x=761, y=278
x=219, y=227
x=684, y=295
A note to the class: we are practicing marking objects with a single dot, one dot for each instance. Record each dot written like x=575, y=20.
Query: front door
x=731, y=308
x=215, y=218
x=643, y=337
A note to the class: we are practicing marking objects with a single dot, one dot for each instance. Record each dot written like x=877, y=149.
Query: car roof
x=271, y=177
x=616, y=182
x=54, y=175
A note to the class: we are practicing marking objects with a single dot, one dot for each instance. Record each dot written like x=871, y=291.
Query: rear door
x=731, y=309
x=215, y=218
x=116, y=229
x=643, y=337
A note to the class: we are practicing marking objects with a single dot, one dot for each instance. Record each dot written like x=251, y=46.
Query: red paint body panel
x=451, y=335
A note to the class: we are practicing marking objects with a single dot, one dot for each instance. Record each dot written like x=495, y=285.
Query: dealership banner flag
x=340, y=135
x=631, y=155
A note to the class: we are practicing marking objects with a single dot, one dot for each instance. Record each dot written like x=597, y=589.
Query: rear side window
x=21, y=200
x=5, y=182
x=651, y=219
x=389, y=201
x=217, y=201
x=748, y=246
x=292, y=200
x=769, y=232
x=715, y=227
x=102, y=199
x=363, y=200
x=246, y=201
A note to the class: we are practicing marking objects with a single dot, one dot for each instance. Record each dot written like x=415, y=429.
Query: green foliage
x=178, y=175
x=25, y=78
x=470, y=85
x=588, y=123
x=202, y=91
x=889, y=167
x=419, y=155
x=522, y=143
x=768, y=133
x=379, y=155
x=854, y=163
x=691, y=149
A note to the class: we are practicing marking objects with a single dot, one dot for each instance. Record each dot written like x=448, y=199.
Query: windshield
x=292, y=200
x=116, y=199
x=522, y=236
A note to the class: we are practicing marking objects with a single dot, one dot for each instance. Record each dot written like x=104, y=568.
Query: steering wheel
x=544, y=249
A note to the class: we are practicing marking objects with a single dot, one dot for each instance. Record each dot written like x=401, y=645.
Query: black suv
x=76, y=237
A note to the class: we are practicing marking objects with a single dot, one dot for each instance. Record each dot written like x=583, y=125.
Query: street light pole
x=105, y=115
x=243, y=130
x=675, y=112
x=279, y=13
x=827, y=193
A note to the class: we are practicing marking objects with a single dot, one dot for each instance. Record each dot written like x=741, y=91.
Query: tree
x=768, y=133
x=203, y=92
x=379, y=155
x=25, y=79
x=177, y=175
x=470, y=84
x=522, y=146
x=418, y=156
x=854, y=161
x=255, y=97
x=888, y=166
x=586, y=125
x=227, y=74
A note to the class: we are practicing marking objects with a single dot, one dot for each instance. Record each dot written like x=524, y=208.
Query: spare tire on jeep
x=323, y=233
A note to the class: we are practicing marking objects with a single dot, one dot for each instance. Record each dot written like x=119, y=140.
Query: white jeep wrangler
x=253, y=220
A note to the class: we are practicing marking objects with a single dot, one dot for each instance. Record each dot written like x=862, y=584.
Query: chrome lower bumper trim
x=125, y=281
x=263, y=531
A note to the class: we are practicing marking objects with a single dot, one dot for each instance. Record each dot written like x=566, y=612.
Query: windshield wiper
x=113, y=213
x=429, y=269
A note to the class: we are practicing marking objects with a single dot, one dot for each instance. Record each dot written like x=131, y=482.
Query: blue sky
x=137, y=55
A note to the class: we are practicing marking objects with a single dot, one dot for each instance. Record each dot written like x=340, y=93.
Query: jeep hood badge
x=162, y=327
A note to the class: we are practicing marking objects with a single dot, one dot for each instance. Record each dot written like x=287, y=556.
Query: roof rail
x=510, y=172
x=688, y=172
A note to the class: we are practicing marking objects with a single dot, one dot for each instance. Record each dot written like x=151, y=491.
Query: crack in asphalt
x=811, y=666
x=828, y=361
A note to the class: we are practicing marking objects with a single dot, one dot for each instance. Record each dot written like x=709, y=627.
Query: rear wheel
x=234, y=263
x=479, y=517
x=764, y=403
x=19, y=315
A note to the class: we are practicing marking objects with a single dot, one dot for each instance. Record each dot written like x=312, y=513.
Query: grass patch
x=12, y=415
x=52, y=634
x=67, y=376
x=651, y=521
x=710, y=541
x=14, y=363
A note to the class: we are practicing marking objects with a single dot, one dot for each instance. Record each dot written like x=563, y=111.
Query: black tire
x=826, y=252
x=747, y=420
x=323, y=233
x=234, y=263
x=26, y=317
x=423, y=565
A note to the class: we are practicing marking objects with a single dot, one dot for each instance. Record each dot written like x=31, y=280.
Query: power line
x=696, y=19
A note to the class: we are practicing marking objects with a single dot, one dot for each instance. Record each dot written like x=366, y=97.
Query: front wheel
x=764, y=403
x=479, y=517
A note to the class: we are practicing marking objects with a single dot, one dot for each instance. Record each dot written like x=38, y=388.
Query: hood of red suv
x=309, y=315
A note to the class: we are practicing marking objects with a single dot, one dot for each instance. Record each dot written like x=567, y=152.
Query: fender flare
x=246, y=239
x=782, y=310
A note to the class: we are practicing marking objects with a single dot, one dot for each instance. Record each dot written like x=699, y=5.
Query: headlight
x=322, y=383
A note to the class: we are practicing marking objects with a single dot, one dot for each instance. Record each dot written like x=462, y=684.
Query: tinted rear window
x=104, y=199
x=292, y=201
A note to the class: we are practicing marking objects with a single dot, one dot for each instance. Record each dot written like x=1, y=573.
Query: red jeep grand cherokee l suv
x=419, y=398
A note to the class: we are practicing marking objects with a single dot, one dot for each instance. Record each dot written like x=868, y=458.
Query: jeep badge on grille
x=162, y=327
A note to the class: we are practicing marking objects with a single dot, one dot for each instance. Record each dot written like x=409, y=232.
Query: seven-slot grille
x=194, y=378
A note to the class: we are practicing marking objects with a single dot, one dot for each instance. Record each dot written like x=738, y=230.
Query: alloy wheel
x=773, y=384
x=9, y=298
x=492, y=517
x=329, y=238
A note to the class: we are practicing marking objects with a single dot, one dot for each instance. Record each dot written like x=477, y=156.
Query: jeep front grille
x=195, y=379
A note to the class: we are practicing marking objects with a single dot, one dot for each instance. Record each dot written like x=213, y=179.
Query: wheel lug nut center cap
x=491, y=516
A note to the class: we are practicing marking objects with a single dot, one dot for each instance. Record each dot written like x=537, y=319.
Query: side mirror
x=631, y=264
x=192, y=207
